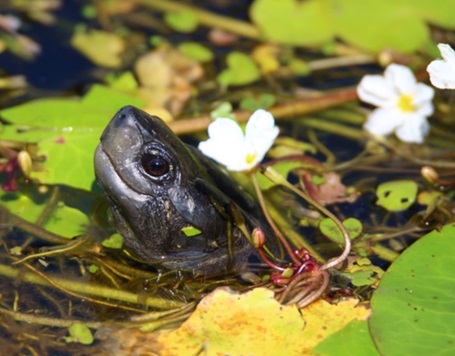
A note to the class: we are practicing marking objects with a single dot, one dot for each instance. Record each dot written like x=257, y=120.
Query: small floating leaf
x=196, y=51
x=80, y=333
x=333, y=232
x=397, y=195
x=102, y=48
x=190, y=231
x=241, y=70
x=182, y=21
x=115, y=241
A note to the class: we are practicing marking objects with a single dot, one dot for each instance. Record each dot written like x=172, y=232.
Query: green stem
x=332, y=127
x=41, y=320
x=384, y=252
x=90, y=289
x=206, y=18
x=277, y=178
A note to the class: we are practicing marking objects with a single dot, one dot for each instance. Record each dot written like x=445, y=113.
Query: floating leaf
x=255, y=323
x=67, y=131
x=190, y=231
x=240, y=70
x=80, y=333
x=362, y=272
x=62, y=220
x=318, y=22
x=413, y=307
x=102, y=48
x=115, y=241
x=333, y=232
x=353, y=339
x=283, y=168
x=397, y=195
x=196, y=51
x=182, y=21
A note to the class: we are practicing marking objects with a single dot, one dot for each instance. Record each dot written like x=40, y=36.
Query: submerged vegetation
x=352, y=192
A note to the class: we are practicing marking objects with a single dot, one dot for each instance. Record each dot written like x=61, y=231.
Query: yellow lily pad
x=255, y=323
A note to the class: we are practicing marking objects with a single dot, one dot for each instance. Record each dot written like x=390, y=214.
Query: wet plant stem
x=28, y=227
x=272, y=224
x=206, y=18
x=82, y=287
x=41, y=320
x=277, y=178
x=71, y=245
x=294, y=108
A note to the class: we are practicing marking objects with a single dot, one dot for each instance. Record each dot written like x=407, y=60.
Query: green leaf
x=182, y=21
x=67, y=132
x=397, y=195
x=115, y=241
x=414, y=305
x=284, y=168
x=196, y=51
x=62, y=219
x=328, y=227
x=79, y=333
x=241, y=70
x=319, y=22
x=293, y=22
x=190, y=231
x=353, y=339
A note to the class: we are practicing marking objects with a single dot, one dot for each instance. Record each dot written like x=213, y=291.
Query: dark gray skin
x=157, y=185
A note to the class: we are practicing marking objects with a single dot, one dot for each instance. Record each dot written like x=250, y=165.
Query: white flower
x=238, y=152
x=403, y=104
x=442, y=71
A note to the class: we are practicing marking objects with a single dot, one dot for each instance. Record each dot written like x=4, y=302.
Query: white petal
x=383, y=121
x=226, y=143
x=442, y=75
x=425, y=109
x=414, y=129
x=225, y=129
x=261, y=132
x=447, y=53
x=422, y=93
x=375, y=90
x=401, y=77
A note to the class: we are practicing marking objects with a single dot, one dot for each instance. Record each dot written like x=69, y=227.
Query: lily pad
x=333, y=232
x=241, y=70
x=413, y=307
x=318, y=22
x=397, y=195
x=182, y=21
x=353, y=339
x=115, y=241
x=67, y=132
x=80, y=333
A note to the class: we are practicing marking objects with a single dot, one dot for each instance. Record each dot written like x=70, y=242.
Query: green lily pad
x=80, y=333
x=283, y=167
x=319, y=22
x=241, y=70
x=328, y=227
x=414, y=305
x=353, y=339
x=63, y=220
x=397, y=195
x=182, y=21
x=115, y=241
x=67, y=132
x=196, y=51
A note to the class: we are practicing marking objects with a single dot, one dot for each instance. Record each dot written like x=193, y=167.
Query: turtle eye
x=155, y=165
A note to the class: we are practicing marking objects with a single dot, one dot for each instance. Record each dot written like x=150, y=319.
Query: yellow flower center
x=250, y=158
x=405, y=103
